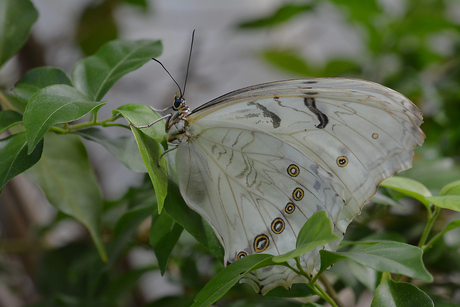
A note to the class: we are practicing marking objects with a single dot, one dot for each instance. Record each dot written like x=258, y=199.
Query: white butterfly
x=256, y=163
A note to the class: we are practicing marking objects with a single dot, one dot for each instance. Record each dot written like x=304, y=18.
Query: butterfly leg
x=152, y=123
x=169, y=150
x=160, y=110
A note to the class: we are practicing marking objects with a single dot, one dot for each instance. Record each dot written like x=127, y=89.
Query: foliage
x=43, y=141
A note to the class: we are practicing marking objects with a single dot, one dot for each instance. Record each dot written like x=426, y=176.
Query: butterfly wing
x=250, y=151
x=256, y=191
x=360, y=131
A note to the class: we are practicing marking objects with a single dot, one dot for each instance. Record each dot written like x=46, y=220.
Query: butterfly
x=257, y=162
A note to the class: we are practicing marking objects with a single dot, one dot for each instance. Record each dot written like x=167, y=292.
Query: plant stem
x=325, y=296
x=316, y=287
x=431, y=218
x=6, y=102
x=104, y=123
x=330, y=290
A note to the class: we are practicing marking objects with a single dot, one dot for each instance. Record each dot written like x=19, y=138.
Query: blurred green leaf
x=287, y=60
x=283, y=14
x=38, y=78
x=178, y=301
x=16, y=19
x=9, y=119
x=229, y=276
x=451, y=202
x=339, y=67
x=15, y=159
x=125, y=283
x=53, y=105
x=66, y=177
x=151, y=152
x=297, y=290
x=317, y=231
x=126, y=228
x=177, y=209
x=96, y=74
x=452, y=188
x=59, y=270
x=10, y=102
x=360, y=11
x=408, y=187
x=96, y=26
x=263, y=301
x=164, y=234
x=399, y=294
x=123, y=148
x=141, y=3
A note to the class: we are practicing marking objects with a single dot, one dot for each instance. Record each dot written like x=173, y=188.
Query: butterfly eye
x=342, y=161
x=297, y=194
x=241, y=255
x=290, y=207
x=177, y=103
x=278, y=225
x=261, y=243
x=293, y=170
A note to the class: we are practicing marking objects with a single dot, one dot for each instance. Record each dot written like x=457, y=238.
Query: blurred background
x=411, y=46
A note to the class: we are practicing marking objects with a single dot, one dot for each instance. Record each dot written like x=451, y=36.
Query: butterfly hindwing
x=256, y=191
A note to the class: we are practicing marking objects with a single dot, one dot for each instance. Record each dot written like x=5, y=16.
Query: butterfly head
x=179, y=103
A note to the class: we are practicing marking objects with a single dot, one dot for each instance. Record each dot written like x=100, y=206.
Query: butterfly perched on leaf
x=256, y=163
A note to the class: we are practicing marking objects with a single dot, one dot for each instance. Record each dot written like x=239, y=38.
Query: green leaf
x=151, y=151
x=96, y=26
x=125, y=229
x=8, y=119
x=177, y=209
x=229, y=276
x=328, y=258
x=15, y=159
x=452, y=225
x=140, y=115
x=123, y=148
x=16, y=19
x=399, y=294
x=11, y=102
x=96, y=74
x=164, y=234
x=297, y=290
x=452, y=188
x=66, y=177
x=393, y=257
x=317, y=231
x=283, y=14
x=38, y=78
x=126, y=283
x=53, y=105
x=408, y=187
x=451, y=202
x=288, y=60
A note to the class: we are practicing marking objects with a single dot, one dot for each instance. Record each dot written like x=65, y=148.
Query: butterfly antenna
x=188, y=63
x=180, y=90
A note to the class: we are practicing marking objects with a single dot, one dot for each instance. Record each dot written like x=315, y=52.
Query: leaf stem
x=431, y=218
x=104, y=123
x=330, y=290
x=316, y=287
x=6, y=102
